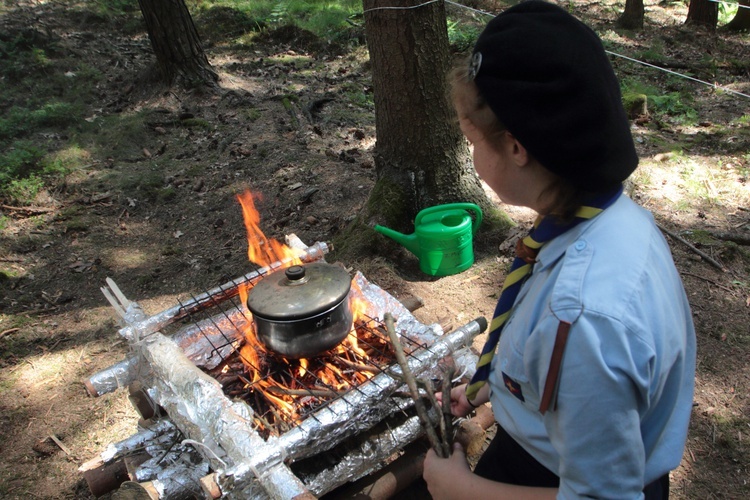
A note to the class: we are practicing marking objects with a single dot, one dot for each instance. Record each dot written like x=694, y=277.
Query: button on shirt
x=625, y=388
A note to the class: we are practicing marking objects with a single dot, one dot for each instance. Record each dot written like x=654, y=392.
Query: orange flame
x=359, y=308
x=263, y=251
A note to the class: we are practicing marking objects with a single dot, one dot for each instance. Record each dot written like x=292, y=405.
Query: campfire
x=224, y=414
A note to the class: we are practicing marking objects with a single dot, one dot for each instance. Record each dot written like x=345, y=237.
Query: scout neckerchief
x=544, y=230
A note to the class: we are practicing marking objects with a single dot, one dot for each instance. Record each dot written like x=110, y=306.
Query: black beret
x=549, y=81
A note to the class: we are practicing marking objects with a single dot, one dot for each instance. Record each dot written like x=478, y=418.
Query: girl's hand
x=447, y=477
x=460, y=407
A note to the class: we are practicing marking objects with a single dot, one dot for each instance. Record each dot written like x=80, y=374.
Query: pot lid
x=299, y=292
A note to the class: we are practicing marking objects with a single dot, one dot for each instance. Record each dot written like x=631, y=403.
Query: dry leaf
x=81, y=266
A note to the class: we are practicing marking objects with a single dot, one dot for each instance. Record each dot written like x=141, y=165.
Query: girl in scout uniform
x=590, y=357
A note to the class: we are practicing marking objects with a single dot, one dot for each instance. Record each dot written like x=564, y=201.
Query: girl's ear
x=517, y=151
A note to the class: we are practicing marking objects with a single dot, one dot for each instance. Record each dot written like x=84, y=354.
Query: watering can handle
x=453, y=206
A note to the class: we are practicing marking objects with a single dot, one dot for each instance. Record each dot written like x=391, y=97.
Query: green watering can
x=442, y=239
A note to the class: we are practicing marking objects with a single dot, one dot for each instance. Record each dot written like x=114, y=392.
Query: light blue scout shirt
x=625, y=390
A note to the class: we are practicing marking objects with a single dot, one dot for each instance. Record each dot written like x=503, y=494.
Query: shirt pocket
x=513, y=374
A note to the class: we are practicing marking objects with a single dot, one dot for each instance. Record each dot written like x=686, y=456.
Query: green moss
x=388, y=201
x=702, y=237
x=356, y=241
x=635, y=104
x=196, y=123
x=252, y=114
x=70, y=211
x=77, y=225
x=167, y=194
x=170, y=250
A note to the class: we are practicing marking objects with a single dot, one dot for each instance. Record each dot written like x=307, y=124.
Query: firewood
x=411, y=383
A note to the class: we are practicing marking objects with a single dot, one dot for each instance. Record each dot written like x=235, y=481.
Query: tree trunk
x=632, y=16
x=703, y=13
x=741, y=20
x=176, y=43
x=421, y=157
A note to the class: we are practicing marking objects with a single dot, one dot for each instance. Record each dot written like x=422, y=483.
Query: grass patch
x=676, y=107
x=143, y=186
x=727, y=11
x=230, y=19
x=461, y=36
x=358, y=96
x=44, y=94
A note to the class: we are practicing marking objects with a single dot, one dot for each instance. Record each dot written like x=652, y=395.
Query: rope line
x=400, y=8
x=675, y=73
x=738, y=5
x=470, y=8
x=725, y=89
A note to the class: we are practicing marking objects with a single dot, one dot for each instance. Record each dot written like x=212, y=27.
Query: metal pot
x=302, y=311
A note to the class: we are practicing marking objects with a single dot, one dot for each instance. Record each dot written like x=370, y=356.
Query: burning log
x=359, y=410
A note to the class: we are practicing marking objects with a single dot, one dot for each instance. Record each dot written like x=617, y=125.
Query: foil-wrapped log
x=137, y=331
x=207, y=343
x=197, y=405
x=112, y=378
x=163, y=427
x=368, y=456
x=177, y=481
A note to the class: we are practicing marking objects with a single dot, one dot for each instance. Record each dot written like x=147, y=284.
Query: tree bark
x=176, y=43
x=421, y=157
x=703, y=13
x=632, y=16
x=741, y=20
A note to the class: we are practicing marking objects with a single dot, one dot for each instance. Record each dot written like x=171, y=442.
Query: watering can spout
x=410, y=242
x=442, y=238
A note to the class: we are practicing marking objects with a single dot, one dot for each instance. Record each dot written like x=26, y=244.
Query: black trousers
x=507, y=462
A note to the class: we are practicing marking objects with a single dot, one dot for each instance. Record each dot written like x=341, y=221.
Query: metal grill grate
x=284, y=392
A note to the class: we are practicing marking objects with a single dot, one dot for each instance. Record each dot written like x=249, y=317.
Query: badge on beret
x=474, y=65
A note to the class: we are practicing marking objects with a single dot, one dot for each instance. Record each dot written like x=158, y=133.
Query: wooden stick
x=412, y=385
x=359, y=366
x=320, y=393
x=29, y=210
x=443, y=425
x=446, y=409
x=704, y=255
x=59, y=443
x=6, y=332
x=708, y=280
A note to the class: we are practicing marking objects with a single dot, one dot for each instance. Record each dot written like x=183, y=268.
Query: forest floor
x=153, y=207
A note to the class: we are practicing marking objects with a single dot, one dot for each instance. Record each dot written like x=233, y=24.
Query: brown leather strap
x=550, y=385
